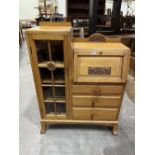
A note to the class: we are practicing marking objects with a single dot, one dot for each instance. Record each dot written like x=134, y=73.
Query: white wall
x=108, y=5
x=62, y=7
x=26, y=9
x=131, y=10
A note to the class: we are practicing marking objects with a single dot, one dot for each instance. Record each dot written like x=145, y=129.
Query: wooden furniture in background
x=44, y=23
x=90, y=14
x=76, y=82
x=78, y=15
x=25, y=23
x=86, y=14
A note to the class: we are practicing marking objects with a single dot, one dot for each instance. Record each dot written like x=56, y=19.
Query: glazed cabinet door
x=50, y=63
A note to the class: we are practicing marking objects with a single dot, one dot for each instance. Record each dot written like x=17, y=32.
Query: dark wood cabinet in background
x=78, y=15
x=86, y=14
x=90, y=15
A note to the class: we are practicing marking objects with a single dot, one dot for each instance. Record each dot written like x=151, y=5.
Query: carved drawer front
x=105, y=114
x=96, y=89
x=82, y=114
x=98, y=69
x=96, y=101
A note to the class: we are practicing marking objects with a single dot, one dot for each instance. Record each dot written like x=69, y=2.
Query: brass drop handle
x=51, y=66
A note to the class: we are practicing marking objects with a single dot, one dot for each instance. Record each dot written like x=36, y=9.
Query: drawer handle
x=100, y=52
x=97, y=92
x=95, y=100
x=93, y=104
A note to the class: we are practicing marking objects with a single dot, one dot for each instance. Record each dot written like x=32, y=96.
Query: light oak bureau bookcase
x=77, y=82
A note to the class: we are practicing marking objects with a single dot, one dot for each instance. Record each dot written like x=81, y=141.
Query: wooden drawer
x=100, y=66
x=82, y=114
x=105, y=114
x=96, y=89
x=95, y=114
x=96, y=101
